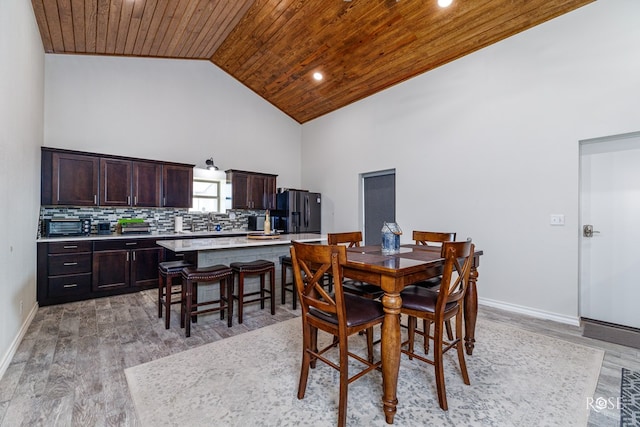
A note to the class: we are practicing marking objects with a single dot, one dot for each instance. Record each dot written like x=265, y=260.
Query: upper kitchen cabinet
x=130, y=183
x=252, y=190
x=177, y=185
x=69, y=179
x=75, y=178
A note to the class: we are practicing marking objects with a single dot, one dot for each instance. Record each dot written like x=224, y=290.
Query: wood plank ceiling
x=274, y=46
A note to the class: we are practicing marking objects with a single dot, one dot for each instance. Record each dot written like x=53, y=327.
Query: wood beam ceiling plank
x=78, y=25
x=90, y=25
x=231, y=19
x=43, y=25
x=55, y=30
x=134, y=27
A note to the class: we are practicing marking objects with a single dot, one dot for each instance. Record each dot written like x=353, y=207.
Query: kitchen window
x=209, y=188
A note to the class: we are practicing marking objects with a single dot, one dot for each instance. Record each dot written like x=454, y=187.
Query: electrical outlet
x=557, y=219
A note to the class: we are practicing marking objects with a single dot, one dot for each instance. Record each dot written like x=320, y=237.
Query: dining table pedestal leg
x=390, y=347
x=471, y=311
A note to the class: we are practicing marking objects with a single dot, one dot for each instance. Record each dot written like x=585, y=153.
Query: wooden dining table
x=392, y=273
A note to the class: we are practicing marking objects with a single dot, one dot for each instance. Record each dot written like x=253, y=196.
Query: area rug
x=518, y=378
x=630, y=398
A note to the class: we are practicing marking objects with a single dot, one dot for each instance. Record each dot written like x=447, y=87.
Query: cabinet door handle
x=135, y=200
x=71, y=247
x=95, y=199
x=127, y=256
x=128, y=200
x=131, y=243
x=134, y=255
x=70, y=285
x=70, y=263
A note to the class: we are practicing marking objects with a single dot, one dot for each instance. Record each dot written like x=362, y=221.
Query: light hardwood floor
x=69, y=368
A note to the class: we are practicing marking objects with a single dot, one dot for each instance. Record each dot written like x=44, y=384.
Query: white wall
x=487, y=146
x=21, y=115
x=172, y=110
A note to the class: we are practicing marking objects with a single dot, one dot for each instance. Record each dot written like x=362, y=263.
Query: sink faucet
x=209, y=222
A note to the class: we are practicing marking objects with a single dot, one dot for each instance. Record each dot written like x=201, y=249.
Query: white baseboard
x=541, y=314
x=8, y=356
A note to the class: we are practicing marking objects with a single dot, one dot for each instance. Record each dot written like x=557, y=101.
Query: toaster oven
x=66, y=227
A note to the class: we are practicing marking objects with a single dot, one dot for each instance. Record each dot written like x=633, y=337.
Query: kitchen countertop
x=205, y=244
x=152, y=235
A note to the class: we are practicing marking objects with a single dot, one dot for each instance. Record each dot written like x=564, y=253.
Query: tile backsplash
x=159, y=219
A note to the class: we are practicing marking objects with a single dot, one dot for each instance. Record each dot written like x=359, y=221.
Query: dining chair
x=353, y=239
x=432, y=240
x=339, y=314
x=439, y=307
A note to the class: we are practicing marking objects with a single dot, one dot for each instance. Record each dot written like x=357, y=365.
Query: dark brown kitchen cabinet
x=69, y=179
x=75, y=178
x=125, y=264
x=64, y=271
x=130, y=183
x=177, y=186
x=252, y=190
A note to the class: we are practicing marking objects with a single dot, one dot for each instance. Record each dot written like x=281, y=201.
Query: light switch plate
x=557, y=219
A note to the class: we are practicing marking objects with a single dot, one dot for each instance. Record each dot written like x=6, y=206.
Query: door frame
x=619, y=138
x=361, y=202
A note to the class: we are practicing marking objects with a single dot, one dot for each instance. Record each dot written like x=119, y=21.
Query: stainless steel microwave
x=66, y=227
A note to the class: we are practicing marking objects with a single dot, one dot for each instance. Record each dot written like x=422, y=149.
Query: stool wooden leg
x=262, y=280
x=223, y=296
x=283, y=284
x=167, y=301
x=240, y=295
x=272, y=288
x=189, y=309
x=229, y=285
x=194, y=300
x=183, y=302
x=160, y=289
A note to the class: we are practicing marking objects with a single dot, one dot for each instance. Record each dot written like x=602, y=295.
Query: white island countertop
x=207, y=244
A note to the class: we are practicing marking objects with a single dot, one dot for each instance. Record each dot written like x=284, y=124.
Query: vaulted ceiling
x=274, y=46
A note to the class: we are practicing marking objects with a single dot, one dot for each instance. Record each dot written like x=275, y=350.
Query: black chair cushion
x=257, y=266
x=207, y=273
x=169, y=267
x=359, y=310
x=421, y=298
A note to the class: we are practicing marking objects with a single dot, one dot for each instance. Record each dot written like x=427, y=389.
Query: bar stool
x=167, y=271
x=254, y=268
x=286, y=263
x=191, y=276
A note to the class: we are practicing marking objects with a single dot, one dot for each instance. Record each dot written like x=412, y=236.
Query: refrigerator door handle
x=307, y=211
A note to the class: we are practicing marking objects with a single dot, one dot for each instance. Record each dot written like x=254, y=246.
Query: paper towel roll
x=178, y=225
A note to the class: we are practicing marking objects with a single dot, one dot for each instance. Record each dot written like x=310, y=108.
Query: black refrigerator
x=298, y=211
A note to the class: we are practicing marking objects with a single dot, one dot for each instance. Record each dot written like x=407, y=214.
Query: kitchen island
x=225, y=250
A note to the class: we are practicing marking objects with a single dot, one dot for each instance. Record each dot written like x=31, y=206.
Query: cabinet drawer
x=69, y=264
x=77, y=284
x=69, y=247
x=112, y=245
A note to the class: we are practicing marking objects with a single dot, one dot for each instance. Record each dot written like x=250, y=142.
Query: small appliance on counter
x=66, y=227
x=104, y=228
x=256, y=222
x=133, y=225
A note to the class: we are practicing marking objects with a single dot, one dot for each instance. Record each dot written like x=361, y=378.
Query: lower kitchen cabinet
x=125, y=263
x=78, y=270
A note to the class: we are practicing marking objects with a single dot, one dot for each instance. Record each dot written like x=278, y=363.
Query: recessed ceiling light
x=444, y=3
x=317, y=76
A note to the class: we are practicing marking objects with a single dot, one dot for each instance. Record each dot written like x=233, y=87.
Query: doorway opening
x=378, y=190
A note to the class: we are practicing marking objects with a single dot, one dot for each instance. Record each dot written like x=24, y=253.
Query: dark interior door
x=379, y=203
